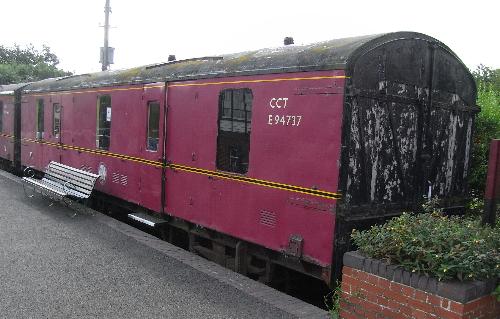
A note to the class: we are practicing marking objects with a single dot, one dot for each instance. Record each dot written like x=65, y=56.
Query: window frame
x=58, y=133
x=1, y=116
x=106, y=102
x=40, y=119
x=148, y=126
x=233, y=143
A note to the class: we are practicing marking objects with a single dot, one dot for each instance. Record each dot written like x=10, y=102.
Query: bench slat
x=87, y=185
x=72, y=169
x=81, y=175
x=68, y=191
x=70, y=184
x=75, y=175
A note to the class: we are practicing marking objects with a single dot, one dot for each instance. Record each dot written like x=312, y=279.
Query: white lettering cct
x=286, y=100
x=278, y=102
x=271, y=103
x=281, y=105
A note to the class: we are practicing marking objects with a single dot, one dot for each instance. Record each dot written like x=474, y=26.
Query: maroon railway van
x=267, y=159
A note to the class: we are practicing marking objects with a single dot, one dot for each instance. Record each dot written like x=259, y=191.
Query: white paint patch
x=452, y=147
x=467, y=148
x=382, y=85
x=376, y=142
x=402, y=88
x=353, y=164
x=455, y=98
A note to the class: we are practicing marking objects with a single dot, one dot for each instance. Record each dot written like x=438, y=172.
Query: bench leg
x=82, y=206
x=74, y=205
x=85, y=203
x=26, y=193
x=69, y=203
x=53, y=198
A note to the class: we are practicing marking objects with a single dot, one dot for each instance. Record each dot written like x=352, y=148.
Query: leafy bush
x=332, y=301
x=487, y=126
x=431, y=243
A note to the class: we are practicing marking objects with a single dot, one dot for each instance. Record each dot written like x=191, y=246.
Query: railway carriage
x=267, y=159
x=7, y=124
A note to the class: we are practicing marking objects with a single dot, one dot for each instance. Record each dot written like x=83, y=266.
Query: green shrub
x=487, y=126
x=436, y=245
x=332, y=301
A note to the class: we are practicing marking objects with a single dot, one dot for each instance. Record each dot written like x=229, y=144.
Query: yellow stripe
x=6, y=135
x=254, y=181
x=222, y=175
x=260, y=81
x=191, y=84
x=275, y=184
x=97, y=152
x=99, y=91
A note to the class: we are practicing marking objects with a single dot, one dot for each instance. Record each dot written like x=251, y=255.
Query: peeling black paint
x=408, y=122
x=407, y=130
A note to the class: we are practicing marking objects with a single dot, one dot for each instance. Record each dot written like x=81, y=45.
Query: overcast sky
x=147, y=31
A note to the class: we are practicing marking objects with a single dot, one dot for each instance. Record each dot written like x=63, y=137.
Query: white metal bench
x=61, y=182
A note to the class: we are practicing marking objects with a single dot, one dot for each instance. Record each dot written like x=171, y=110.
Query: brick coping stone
x=459, y=291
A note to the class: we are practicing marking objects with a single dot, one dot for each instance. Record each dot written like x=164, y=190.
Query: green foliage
x=487, y=126
x=431, y=243
x=486, y=75
x=496, y=293
x=475, y=207
x=29, y=64
x=432, y=205
x=332, y=301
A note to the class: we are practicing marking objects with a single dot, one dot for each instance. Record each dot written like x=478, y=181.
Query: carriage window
x=56, y=120
x=39, y=119
x=1, y=116
x=153, y=126
x=233, y=139
x=103, y=122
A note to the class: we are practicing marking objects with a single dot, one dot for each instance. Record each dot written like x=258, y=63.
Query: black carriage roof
x=10, y=88
x=327, y=55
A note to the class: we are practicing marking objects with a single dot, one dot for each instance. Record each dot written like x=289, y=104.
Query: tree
x=486, y=76
x=28, y=64
x=487, y=125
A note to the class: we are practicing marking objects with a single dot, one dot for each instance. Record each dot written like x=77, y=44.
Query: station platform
x=54, y=264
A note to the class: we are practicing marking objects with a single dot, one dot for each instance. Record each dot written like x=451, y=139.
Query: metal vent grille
x=118, y=178
x=124, y=180
x=268, y=219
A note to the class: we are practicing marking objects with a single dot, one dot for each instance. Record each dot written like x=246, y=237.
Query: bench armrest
x=66, y=187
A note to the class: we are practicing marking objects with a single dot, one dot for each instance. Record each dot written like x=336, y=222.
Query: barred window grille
x=234, y=127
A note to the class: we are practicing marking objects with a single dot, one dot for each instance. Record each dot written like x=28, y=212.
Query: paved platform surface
x=56, y=265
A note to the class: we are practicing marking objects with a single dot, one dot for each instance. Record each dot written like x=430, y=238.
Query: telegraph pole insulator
x=288, y=41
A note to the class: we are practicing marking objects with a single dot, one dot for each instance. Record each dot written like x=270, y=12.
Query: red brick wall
x=365, y=295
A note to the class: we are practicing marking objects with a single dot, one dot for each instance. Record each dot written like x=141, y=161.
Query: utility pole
x=106, y=51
